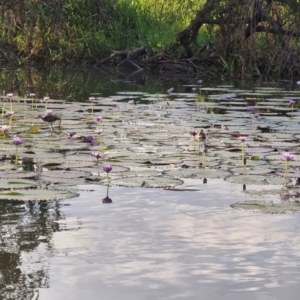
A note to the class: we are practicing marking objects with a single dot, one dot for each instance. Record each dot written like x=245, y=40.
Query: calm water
x=148, y=244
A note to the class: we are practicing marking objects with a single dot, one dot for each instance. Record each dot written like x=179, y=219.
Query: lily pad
x=17, y=184
x=36, y=195
x=268, y=206
x=197, y=173
x=257, y=180
x=147, y=181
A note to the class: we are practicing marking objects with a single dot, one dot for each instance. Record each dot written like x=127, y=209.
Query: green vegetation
x=239, y=38
x=86, y=30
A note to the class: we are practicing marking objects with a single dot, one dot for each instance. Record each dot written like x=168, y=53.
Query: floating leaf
x=145, y=181
x=37, y=195
x=268, y=206
x=33, y=129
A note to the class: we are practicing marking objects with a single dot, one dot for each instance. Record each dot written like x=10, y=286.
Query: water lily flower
x=193, y=132
x=10, y=95
x=250, y=108
x=114, y=105
x=242, y=138
x=31, y=95
x=92, y=100
x=200, y=81
x=71, y=134
x=97, y=155
x=292, y=102
x=98, y=131
x=194, y=89
x=287, y=157
x=298, y=82
x=131, y=102
x=5, y=129
x=90, y=139
x=17, y=141
x=9, y=113
x=97, y=119
x=5, y=100
x=256, y=115
x=107, y=168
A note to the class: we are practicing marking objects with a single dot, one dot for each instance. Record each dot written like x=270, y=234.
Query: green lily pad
x=197, y=173
x=37, y=195
x=268, y=206
x=257, y=180
x=147, y=181
x=17, y=184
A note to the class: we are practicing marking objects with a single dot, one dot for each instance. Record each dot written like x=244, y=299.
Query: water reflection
x=26, y=231
x=157, y=244
x=74, y=84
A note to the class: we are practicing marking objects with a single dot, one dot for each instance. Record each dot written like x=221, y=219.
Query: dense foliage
x=239, y=37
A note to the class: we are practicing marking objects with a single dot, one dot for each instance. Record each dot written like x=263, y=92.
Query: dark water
x=148, y=244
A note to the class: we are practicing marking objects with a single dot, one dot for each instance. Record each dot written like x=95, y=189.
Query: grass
x=89, y=30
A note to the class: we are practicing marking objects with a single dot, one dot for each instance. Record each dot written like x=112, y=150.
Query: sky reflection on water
x=157, y=244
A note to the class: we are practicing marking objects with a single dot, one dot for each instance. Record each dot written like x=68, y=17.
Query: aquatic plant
x=107, y=169
x=9, y=96
x=90, y=139
x=292, y=103
x=97, y=119
x=5, y=129
x=4, y=100
x=99, y=132
x=243, y=138
x=70, y=134
x=92, y=100
x=114, y=105
x=97, y=155
x=32, y=96
x=193, y=133
x=10, y=114
x=131, y=103
x=256, y=116
x=200, y=82
x=205, y=150
x=46, y=99
x=287, y=157
x=18, y=142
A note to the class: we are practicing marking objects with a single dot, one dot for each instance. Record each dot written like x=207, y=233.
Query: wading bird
x=50, y=119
